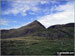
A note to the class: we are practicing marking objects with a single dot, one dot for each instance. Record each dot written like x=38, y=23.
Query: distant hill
x=37, y=29
x=58, y=31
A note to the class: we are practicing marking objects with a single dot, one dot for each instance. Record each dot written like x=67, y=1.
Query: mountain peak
x=36, y=24
x=36, y=29
x=35, y=21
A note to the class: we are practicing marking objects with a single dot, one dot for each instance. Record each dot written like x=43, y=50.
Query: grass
x=35, y=46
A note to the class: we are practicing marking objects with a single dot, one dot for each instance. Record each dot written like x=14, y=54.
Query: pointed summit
x=36, y=24
x=35, y=21
x=33, y=27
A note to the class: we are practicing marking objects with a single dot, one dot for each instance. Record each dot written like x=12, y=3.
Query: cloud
x=44, y=2
x=6, y=22
x=21, y=7
x=47, y=12
x=65, y=16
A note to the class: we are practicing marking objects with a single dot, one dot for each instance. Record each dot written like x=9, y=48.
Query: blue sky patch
x=17, y=13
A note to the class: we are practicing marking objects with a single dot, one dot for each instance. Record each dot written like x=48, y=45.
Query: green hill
x=23, y=31
x=37, y=29
x=35, y=39
x=58, y=31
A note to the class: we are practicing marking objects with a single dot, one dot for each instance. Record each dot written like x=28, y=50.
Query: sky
x=18, y=13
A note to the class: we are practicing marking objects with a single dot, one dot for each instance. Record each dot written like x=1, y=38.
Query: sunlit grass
x=35, y=45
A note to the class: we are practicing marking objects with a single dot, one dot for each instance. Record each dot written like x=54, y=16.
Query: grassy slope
x=33, y=27
x=35, y=45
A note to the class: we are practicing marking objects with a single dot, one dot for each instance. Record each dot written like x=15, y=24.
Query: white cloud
x=44, y=2
x=66, y=16
x=22, y=7
x=4, y=22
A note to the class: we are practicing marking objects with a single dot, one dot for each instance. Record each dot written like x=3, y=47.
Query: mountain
x=23, y=31
x=37, y=29
x=58, y=31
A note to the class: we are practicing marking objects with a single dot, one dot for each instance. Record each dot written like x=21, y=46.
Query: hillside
x=35, y=39
x=58, y=31
x=23, y=31
x=37, y=29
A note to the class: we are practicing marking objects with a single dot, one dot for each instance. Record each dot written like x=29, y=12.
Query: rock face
x=37, y=29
